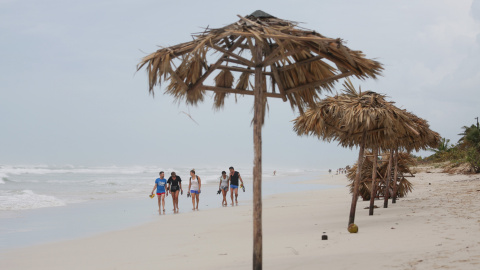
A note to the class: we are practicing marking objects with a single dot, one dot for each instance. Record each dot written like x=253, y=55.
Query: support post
x=374, y=180
x=356, y=184
x=386, y=193
x=395, y=176
x=257, y=163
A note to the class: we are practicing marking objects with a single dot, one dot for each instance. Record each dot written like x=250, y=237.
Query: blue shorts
x=233, y=186
x=194, y=191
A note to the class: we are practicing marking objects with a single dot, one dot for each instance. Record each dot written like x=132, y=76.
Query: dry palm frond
x=405, y=161
x=243, y=81
x=223, y=79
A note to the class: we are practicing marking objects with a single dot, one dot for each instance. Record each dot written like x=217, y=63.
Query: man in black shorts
x=233, y=179
x=174, y=185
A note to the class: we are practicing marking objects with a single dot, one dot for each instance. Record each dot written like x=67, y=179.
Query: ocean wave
x=210, y=172
x=27, y=199
x=3, y=177
x=6, y=170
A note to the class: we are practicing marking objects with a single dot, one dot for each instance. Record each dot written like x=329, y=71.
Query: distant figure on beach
x=233, y=178
x=329, y=170
x=174, y=185
x=160, y=186
x=274, y=173
x=223, y=186
x=195, y=186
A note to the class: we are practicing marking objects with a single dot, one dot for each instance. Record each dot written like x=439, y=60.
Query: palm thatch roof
x=403, y=186
x=355, y=116
x=300, y=63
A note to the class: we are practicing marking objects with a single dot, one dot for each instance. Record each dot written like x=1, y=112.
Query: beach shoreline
x=23, y=228
x=421, y=231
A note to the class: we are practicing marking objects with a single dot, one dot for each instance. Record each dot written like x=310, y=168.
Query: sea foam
x=27, y=199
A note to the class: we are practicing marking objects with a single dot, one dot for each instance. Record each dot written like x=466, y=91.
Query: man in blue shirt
x=161, y=192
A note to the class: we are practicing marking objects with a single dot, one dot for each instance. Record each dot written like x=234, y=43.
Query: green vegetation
x=467, y=149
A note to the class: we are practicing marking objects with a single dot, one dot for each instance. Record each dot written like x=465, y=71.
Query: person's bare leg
x=236, y=196
x=198, y=199
x=193, y=201
x=159, y=203
x=176, y=198
x=163, y=202
x=224, y=193
x=173, y=200
x=231, y=194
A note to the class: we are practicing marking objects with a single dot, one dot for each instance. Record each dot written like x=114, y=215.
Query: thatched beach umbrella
x=300, y=64
x=405, y=161
x=426, y=138
x=363, y=119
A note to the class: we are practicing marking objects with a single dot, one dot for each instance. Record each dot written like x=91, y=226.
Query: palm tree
x=470, y=136
x=443, y=146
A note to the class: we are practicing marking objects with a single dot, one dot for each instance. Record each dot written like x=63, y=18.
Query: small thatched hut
x=405, y=161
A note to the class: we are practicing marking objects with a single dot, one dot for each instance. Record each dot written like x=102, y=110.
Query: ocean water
x=42, y=203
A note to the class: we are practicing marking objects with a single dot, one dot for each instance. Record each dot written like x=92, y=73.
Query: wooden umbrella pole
x=356, y=184
x=257, y=168
x=386, y=193
x=374, y=180
x=395, y=175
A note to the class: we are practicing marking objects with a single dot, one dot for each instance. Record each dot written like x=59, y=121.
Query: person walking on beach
x=233, y=178
x=174, y=185
x=223, y=186
x=160, y=186
x=195, y=186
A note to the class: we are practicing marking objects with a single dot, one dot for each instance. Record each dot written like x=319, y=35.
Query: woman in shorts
x=223, y=186
x=175, y=186
x=194, y=186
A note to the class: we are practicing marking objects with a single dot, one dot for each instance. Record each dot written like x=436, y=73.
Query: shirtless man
x=233, y=179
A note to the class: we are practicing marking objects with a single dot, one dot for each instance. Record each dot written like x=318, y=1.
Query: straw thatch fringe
x=404, y=186
x=303, y=58
x=223, y=79
x=243, y=81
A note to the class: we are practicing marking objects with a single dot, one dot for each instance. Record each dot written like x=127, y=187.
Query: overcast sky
x=69, y=93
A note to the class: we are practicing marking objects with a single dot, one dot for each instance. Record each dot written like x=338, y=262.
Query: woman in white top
x=223, y=186
x=194, y=186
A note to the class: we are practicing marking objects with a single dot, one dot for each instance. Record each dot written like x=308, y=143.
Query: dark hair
x=173, y=173
x=160, y=172
x=231, y=168
x=192, y=170
x=223, y=172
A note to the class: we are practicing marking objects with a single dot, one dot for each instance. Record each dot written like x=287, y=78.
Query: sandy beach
x=435, y=227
